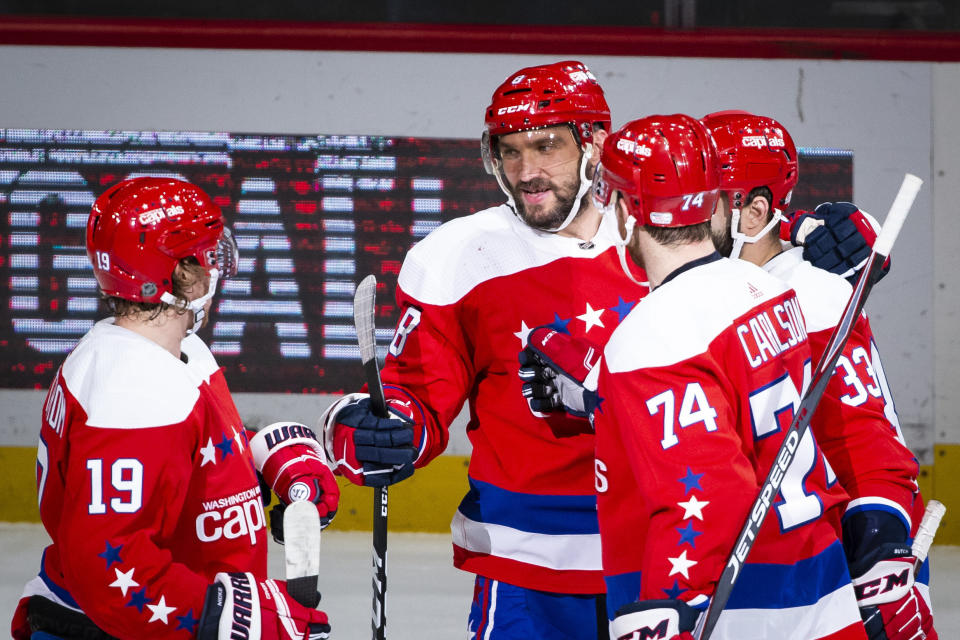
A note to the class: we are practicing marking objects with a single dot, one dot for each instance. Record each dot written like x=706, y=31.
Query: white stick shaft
x=927, y=529
x=898, y=213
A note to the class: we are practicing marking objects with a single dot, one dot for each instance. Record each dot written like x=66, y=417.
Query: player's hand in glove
x=556, y=371
x=240, y=606
x=836, y=237
x=891, y=606
x=666, y=619
x=366, y=449
x=292, y=462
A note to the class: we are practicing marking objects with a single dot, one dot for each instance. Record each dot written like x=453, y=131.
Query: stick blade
x=928, y=529
x=364, y=316
x=301, y=534
x=897, y=214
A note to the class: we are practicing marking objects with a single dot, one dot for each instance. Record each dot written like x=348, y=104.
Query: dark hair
x=675, y=236
x=187, y=274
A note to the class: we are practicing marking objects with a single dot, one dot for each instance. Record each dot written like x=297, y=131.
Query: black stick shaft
x=364, y=317
x=379, y=405
x=808, y=404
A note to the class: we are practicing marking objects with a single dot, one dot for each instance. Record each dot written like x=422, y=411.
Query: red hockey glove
x=836, y=237
x=556, y=369
x=368, y=450
x=666, y=619
x=240, y=606
x=891, y=606
x=291, y=461
x=882, y=567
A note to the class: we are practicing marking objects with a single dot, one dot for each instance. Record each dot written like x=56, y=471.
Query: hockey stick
x=364, y=312
x=808, y=404
x=301, y=551
x=927, y=529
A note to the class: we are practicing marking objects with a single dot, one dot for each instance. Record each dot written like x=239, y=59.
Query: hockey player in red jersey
x=856, y=424
x=148, y=484
x=695, y=387
x=470, y=292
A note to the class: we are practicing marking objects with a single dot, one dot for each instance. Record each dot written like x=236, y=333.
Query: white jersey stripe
x=493, y=608
x=827, y=616
x=579, y=552
x=465, y=252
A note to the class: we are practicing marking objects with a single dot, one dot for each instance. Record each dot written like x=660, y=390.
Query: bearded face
x=541, y=168
x=543, y=203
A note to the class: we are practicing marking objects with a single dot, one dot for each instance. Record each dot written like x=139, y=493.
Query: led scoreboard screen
x=312, y=215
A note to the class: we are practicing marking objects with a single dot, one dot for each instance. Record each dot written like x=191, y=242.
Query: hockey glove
x=291, y=461
x=239, y=606
x=368, y=450
x=891, y=606
x=667, y=619
x=836, y=237
x=555, y=368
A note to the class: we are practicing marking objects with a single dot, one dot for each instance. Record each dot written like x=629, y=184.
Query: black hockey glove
x=836, y=237
x=555, y=368
x=368, y=450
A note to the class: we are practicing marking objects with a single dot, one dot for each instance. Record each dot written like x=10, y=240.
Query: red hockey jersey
x=470, y=293
x=699, y=384
x=856, y=423
x=147, y=486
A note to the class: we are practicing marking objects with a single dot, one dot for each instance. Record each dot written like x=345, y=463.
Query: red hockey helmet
x=755, y=151
x=140, y=228
x=666, y=169
x=544, y=96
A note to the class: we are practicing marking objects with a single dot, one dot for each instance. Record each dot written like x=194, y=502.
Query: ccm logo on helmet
x=513, y=109
x=241, y=518
x=629, y=146
x=158, y=214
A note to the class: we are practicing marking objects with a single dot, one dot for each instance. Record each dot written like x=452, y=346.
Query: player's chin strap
x=739, y=238
x=196, y=306
x=585, y=156
x=581, y=192
x=621, y=245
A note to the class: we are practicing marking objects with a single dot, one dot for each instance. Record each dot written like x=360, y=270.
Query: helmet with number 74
x=665, y=170
x=140, y=229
